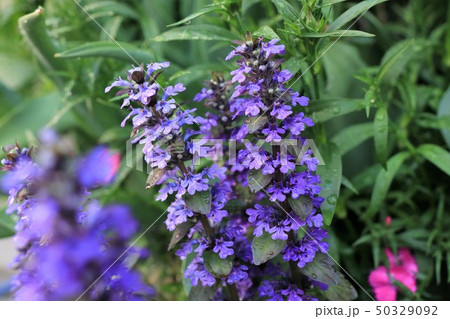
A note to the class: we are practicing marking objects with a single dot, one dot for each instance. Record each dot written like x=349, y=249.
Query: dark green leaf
x=197, y=14
x=444, y=111
x=111, y=7
x=217, y=266
x=321, y=269
x=384, y=180
x=6, y=224
x=436, y=155
x=154, y=176
x=257, y=180
x=235, y=205
x=195, y=73
x=324, y=110
x=343, y=291
x=196, y=32
x=200, y=202
x=352, y=136
x=180, y=231
x=108, y=49
x=255, y=123
x=380, y=127
x=302, y=206
x=338, y=34
x=330, y=174
x=354, y=12
x=286, y=10
x=200, y=293
x=265, y=248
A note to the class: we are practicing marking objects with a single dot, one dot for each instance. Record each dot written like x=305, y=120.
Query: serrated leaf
x=286, y=10
x=384, y=180
x=217, y=266
x=436, y=155
x=197, y=14
x=343, y=291
x=444, y=111
x=350, y=137
x=330, y=174
x=154, y=176
x=200, y=202
x=302, y=206
x=380, y=127
x=352, y=13
x=108, y=49
x=257, y=180
x=321, y=269
x=255, y=123
x=180, y=231
x=265, y=248
x=324, y=110
x=338, y=34
x=196, y=32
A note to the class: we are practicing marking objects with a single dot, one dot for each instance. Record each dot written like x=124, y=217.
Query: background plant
x=385, y=131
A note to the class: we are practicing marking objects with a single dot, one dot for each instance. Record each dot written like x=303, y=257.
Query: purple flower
x=98, y=168
x=223, y=248
x=273, y=133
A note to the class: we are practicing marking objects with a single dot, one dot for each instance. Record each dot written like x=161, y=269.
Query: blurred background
x=55, y=64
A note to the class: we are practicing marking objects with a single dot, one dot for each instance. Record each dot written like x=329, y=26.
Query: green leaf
x=354, y=11
x=257, y=180
x=265, y=248
x=217, y=266
x=294, y=64
x=267, y=32
x=236, y=205
x=196, y=32
x=350, y=137
x=154, y=176
x=286, y=10
x=327, y=109
x=444, y=111
x=195, y=73
x=380, y=127
x=197, y=14
x=395, y=60
x=180, y=231
x=384, y=180
x=255, y=123
x=436, y=155
x=338, y=34
x=200, y=293
x=330, y=174
x=108, y=49
x=326, y=3
x=343, y=291
x=110, y=7
x=7, y=223
x=321, y=269
x=200, y=202
x=302, y=206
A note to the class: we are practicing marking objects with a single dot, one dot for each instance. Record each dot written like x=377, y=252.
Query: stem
x=206, y=225
x=233, y=292
x=296, y=276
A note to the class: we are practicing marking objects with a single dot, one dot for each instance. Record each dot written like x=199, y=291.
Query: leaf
x=200, y=202
x=108, y=49
x=326, y=3
x=338, y=34
x=196, y=32
x=267, y=32
x=111, y=7
x=354, y=11
x=350, y=137
x=180, y=231
x=200, y=293
x=321, y=269
x=330, y=174
x=395, y=60
x=255, y=123
x=265, y=248
x=197, y=14
x=444, y=111
x=217, y=266
x=194, y=73
x=154, y=176
x=384, y=180
x=380, y=127
x=257, y=180
x=327, y=109
x=343, y=291
x=286, y=10
x=302, y=206
x=7, y=224
x=294, y=64
x=236, y=205
x=436, y=155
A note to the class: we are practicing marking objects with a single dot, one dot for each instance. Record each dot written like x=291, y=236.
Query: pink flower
x=402, y=268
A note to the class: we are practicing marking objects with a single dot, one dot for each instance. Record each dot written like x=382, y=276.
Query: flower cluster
x=69, y=247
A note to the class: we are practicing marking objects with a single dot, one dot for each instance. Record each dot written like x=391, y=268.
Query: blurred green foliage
x=377, y=73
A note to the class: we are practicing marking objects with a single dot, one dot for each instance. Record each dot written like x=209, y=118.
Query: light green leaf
x=350, y=137
x=197, y=14
x=444, y=111
x=330, y=174
x=265, y=248
x=217, y=266
x=111, y=7
x=352, y=13
x=257, y=180
x=267, y=32
x=436, y=155
x=321, y=269
x=380, y=127
x=384, y=180
x=338, y=34
x=286, y=10
x=108, y=49
x=343, y=291
x=196, y=32
x=200, y=202
x=324, y=110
